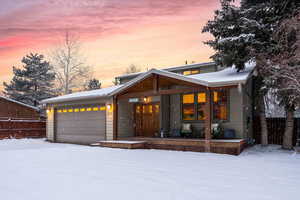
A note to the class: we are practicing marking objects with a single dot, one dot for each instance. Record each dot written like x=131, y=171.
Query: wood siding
x=12, y=110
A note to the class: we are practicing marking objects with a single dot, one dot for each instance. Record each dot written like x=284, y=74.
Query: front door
x=146, y=119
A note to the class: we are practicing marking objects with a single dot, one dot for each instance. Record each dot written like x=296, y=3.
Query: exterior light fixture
x=48, y=111
x=108, y=106
x=145, y=99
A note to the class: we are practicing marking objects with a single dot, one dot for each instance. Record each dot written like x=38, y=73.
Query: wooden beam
x=208, y=117
x=161, y=92
x=155, y=83
x=115, y=117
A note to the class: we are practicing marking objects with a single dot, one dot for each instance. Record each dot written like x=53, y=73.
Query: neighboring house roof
x=226, y=77
x=171, y=69
x=104, y=92
x=20, y=103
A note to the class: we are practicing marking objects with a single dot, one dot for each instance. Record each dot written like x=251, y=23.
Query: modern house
x=174, y=108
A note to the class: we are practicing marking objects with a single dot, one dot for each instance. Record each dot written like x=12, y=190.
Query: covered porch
x=174, y=112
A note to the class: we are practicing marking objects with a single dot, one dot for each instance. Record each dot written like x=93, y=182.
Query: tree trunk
x=263, y=122
x=289, y=130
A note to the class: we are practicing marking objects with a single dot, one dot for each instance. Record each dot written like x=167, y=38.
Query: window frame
x=211, y=105
x=227, y=91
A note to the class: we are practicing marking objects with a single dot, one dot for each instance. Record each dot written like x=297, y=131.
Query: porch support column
x=155, y=84
x=115, y=117
x=208, y=120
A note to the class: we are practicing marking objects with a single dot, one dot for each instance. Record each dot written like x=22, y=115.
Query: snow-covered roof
x=104, y=92
x=172, y=69
x=20, y=103
x=226, y=77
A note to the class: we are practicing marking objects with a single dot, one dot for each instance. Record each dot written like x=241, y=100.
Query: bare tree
x=132, y=69
x=71, y=70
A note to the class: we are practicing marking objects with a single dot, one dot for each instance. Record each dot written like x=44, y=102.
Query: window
x=188, y=107
x=191, y=72
x=193, y=106
x=201, y=106
x=220, y=105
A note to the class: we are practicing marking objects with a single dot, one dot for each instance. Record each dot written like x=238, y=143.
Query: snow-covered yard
x=34, y=169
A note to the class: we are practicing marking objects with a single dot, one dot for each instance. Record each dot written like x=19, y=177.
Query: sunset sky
x=113, y=33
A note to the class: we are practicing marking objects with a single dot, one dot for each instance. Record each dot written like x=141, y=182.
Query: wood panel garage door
x=84, y=125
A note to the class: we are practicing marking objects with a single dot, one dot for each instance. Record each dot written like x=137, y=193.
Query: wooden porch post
x=115, y=117
x=208, y=120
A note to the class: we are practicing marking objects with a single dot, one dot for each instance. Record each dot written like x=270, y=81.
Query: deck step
x=122, y=144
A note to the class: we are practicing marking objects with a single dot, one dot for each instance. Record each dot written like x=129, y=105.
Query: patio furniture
x=229, y=134
x=186, y=130
x=175, y=133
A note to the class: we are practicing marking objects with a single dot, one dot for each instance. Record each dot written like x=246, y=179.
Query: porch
x=156, y=108
x=232, y=147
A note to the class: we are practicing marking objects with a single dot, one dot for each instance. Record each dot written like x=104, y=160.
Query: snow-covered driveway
x=34, y=170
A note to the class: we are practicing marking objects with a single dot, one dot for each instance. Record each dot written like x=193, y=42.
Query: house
x=159, y=103
x=19, y=120
x=12, y=109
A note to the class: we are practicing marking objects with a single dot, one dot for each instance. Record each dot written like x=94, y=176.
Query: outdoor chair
x=186, y=130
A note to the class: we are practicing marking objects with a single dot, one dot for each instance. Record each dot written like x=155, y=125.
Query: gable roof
x=226, y=77
x=92, y=94
x=20, y=103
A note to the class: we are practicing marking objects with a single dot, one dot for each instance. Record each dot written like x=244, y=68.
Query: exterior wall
x=165, y=113
x=109, y=121
x=50, y=124
x=125, y=118
x=236, y=118
x=248, y=109
x=9, y=109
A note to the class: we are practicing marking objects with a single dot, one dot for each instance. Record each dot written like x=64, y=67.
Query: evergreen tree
x=33, y=83
x=245, y=33
x=93, y=84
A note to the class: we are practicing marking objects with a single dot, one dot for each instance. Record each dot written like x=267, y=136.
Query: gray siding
x=125, y=118
x=236, y=113
x=50, y=125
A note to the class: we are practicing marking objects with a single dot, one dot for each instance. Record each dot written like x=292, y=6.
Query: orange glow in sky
x=113, y=33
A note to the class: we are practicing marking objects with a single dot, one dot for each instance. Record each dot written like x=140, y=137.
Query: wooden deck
x=232, y=147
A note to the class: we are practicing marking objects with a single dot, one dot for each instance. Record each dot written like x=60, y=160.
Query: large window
x=193, y=106
x=220, y=105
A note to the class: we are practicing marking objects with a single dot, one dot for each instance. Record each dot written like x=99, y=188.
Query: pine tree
x=245, y=33
x=93, y=84
x=33, y=82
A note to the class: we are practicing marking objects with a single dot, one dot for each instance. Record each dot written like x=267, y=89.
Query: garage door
x=82, y=125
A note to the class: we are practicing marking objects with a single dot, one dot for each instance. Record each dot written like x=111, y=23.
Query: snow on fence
x=276, y=127
x=22, y=128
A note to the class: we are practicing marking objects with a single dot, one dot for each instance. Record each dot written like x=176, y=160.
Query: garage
x=82, y=125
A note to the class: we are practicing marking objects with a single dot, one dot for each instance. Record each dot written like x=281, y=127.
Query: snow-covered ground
x=32, y=169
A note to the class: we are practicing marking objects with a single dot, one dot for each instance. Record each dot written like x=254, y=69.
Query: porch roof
x=226, y=77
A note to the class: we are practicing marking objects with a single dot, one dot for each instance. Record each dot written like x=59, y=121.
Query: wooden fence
x=22, y=128
x=276, y=127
